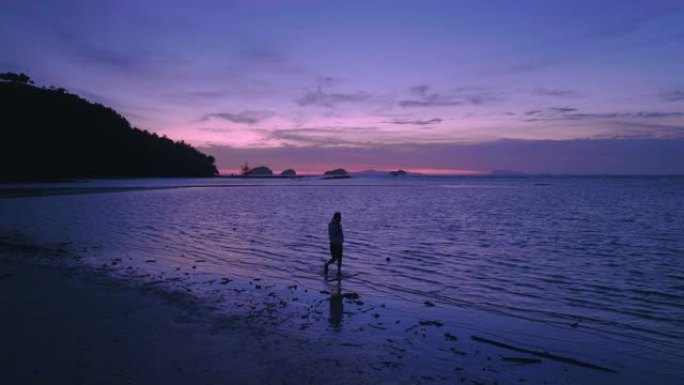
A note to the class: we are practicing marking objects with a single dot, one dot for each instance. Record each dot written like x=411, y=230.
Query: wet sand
x=63, y=325
x=65, y=322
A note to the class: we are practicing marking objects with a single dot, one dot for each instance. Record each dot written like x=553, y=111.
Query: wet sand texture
x=61, y=326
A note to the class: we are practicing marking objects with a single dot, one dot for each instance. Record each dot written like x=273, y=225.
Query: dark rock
x=431, y=323
x=522, y=360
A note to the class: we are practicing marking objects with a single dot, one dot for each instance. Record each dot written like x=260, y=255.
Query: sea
x=588, y=267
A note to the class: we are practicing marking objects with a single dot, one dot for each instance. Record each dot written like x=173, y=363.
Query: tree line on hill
x=50, y=133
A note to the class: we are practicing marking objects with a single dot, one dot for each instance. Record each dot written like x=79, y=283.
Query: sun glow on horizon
x=318, y=172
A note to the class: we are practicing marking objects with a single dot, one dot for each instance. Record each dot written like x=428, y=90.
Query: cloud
x=642, y=130
x=328, y=136
x=555, y=92
x=415, y=122
x=422, y=97
x=673, y=96
x=330, y=100
x=426, y=99
x=198, y=98
x=562, y=109
x=480, y=99
x=329, y=81
x=206, y=95
x=217, y=129
x=245, y=117
x=566, y=113
x=655, y=114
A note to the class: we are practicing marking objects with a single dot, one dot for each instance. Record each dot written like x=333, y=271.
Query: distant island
x=289, y=173
x=259, y=171
x=49, y=133
x=338, y=173
x=264, y=172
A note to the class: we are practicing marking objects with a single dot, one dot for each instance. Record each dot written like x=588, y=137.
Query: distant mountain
x=51, y=133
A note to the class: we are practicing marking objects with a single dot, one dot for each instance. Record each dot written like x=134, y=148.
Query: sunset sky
x=553, y=86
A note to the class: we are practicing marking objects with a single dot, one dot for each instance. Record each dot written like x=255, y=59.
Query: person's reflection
x=336, y=307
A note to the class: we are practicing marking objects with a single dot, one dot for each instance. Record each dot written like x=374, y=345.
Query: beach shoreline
x=68, y=322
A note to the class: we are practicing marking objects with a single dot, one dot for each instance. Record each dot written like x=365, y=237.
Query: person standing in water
x=336, y=237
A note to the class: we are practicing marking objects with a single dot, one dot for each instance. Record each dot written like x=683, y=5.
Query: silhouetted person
x=336, y=237
x=336, y=308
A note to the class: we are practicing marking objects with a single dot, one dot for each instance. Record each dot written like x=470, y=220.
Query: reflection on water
x=336, y=307
x=603, y=255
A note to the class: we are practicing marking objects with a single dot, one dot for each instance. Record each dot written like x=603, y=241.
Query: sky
x=539, y=86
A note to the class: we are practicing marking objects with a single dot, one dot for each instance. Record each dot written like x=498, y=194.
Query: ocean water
x=593, y=264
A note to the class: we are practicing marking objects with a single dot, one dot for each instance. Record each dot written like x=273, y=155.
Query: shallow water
x=601, y=257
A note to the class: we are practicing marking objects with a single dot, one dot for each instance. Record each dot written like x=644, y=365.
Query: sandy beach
x=65, y=322
x=66, y=325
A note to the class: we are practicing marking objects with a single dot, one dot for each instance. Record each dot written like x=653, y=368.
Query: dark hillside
x=50, y=133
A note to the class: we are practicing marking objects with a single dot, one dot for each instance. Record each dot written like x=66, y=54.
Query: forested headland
x=48, y=133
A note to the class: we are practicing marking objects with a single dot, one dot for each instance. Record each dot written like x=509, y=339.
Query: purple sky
x=572, y=86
